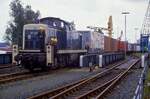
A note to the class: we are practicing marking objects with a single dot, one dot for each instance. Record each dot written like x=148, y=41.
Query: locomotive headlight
x=42, y=29
x=53, y=40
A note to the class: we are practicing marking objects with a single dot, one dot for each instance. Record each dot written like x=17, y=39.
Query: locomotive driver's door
x=41, y=42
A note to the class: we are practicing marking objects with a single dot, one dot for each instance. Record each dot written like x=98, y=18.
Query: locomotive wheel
x=31, y=67
x=44, y=68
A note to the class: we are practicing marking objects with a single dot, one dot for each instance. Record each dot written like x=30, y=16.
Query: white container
x=93, y=40
x=137, y=47
x=129, y=47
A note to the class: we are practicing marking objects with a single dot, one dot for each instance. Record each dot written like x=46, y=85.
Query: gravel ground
x=127, y=87
x=125, y=66
x=11, y=70
x=26, y=88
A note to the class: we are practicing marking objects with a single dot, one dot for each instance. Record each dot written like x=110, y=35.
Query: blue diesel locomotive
x=51, y=43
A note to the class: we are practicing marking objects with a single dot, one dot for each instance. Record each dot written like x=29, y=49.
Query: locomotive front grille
x=32, y=60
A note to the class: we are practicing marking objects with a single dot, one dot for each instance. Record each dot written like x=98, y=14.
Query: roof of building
x=3, y=44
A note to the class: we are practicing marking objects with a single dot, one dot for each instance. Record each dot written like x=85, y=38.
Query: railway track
x=7, y=78
x=77, y=89
x=80, y=89
x=12, y=77
x=7, y=66
x=104, y=89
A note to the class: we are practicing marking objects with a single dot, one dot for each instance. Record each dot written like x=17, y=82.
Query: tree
x=20, y=16
x=30, y=15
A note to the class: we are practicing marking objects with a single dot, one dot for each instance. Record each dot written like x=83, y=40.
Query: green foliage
x=19, y=17
x=146, y=87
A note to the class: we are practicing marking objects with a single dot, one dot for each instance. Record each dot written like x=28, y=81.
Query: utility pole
x=136, y=31
x=125, y=14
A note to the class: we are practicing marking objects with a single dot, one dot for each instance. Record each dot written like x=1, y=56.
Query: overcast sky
x=86, y=12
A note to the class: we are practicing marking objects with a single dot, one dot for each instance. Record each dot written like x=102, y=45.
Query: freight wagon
x=119, y=46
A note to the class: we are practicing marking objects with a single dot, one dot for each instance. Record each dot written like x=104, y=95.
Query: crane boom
x=119, y=41
x=119, y=38
x=109, y=29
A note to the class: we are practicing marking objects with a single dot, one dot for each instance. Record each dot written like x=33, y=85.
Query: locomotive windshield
x=34, y=39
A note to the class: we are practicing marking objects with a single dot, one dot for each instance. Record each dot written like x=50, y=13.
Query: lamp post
x=125, y=14
x=136, y=31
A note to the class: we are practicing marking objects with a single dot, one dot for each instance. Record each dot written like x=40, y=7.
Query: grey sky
x=86, y=12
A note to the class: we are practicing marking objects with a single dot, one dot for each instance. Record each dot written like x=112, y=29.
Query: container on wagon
x=130, y=47
x=93, y=41
x=106, y=44
x=138, y=47
x=114, y=43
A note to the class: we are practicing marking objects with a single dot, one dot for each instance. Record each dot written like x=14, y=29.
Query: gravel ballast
x=25, y=88
x=126, y=88
x=12, y=69
x=29, y=87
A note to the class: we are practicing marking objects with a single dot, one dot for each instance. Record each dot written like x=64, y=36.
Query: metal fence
x=140, y=88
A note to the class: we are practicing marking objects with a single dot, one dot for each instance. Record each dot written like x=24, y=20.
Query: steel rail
x=2, y=76
x=7, y=66
x=104, y=92
x=77, y=86
x=100, y=89
x=57, y=91
x=6, y=78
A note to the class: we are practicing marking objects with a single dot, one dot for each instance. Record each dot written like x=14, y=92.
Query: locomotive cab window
x=34, y=39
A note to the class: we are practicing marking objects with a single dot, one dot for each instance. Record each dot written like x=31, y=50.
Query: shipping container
x=133, y=47
x=138, y=48
x=114, y=44
x=106, y=44
x=97, y=40
x=93, y=41
x=110, y=44
x=122, y=46
x=130, y=47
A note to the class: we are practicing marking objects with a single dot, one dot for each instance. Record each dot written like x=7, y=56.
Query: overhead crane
x=109, y=29
x=145, y=30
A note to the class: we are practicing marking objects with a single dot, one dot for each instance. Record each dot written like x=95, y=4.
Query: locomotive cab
x=38, y=46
